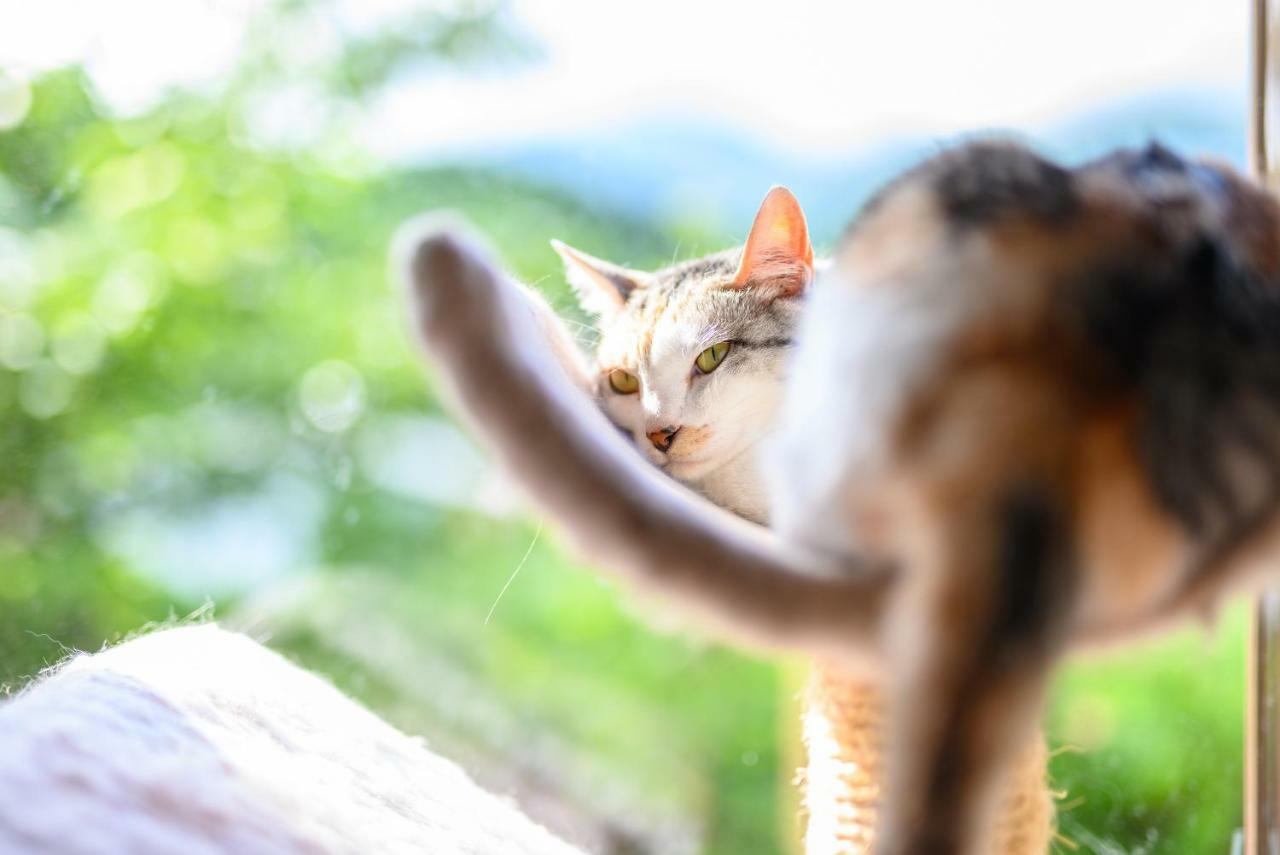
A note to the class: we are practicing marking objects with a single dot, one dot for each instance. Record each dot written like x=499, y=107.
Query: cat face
x=692, y=369
x=691, y=358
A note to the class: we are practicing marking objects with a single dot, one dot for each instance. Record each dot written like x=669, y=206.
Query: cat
x=691, y=358
x=691, y=364
x=1032, y=408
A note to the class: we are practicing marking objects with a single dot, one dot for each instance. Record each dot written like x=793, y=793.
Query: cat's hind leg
x=987, y=600
x=975, y=635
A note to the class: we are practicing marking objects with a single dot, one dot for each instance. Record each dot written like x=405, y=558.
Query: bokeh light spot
x=195, y=248
x=21, y=341
x=332, y=396
x=79, y=344
x=45, y=390
x=15, y=100
x=128, y=290
x=17, y=270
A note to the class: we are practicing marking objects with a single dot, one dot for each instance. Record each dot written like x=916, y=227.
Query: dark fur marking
x=722, y=264
x=1032, y=581
x=1144, y=167
x=1031, y=588
x=1156, y=157
x=1195, y=338
x=982, y=182
x=1167, y=182
x=766, y=343
x=985, y=182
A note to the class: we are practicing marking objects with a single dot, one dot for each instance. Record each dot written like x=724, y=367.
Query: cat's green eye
x=623, y=382
x=709, y=360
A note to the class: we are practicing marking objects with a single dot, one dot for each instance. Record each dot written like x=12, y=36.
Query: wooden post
x=1262, y=707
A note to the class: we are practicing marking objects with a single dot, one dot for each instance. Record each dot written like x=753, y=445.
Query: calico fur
x=698, y=299
x=1032, y=407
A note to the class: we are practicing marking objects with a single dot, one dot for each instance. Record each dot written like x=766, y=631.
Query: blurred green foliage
x=188, y=317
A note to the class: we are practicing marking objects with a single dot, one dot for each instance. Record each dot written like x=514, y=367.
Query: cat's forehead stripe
x=691, y=294
x=653, y=309
x=720, y=265
x=659, y=300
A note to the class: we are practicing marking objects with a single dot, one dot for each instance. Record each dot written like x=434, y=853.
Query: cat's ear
x=778, y=255
x=602, y=288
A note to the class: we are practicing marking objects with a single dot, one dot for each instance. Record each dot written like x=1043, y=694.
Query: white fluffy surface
x=197, y=740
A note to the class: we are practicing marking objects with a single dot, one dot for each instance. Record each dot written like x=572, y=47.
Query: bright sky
x=805, y=74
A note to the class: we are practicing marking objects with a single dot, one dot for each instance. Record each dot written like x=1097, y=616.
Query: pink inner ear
x=778, y=251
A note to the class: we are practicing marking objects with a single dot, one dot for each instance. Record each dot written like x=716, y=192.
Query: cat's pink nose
x=663, y=437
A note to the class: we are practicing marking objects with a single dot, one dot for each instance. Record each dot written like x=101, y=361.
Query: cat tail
x=514, y=373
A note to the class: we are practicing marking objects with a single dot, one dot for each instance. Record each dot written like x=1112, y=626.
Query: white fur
x=197, y=740
x=863, y=346
x=732, y=412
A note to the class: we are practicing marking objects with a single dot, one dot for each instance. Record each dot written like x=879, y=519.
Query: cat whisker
x=512, y=577
x=581, y=325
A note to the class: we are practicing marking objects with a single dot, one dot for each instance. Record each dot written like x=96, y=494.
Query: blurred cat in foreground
x=691, y=363
x=1031, y=408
